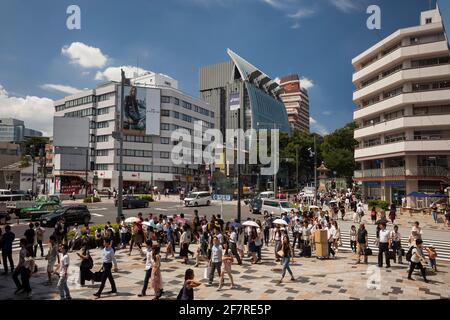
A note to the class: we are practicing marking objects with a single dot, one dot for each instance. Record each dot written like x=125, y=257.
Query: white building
x=146, y=159
x=403, y=112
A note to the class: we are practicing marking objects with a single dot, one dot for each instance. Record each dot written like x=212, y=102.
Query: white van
x=201, y=198
x=267, y=195
x=277, y=207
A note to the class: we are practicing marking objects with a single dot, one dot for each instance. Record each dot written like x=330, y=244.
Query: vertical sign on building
x=235, y=101
x=153, y=112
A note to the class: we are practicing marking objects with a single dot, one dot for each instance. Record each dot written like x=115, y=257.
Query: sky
x=42, y=60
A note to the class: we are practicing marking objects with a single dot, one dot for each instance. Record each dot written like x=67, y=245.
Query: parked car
x=16, y=206
x=132, y=202
x=35, y=212
x=200, y=198
x=276, y=206
x=71, y=214
x=267, y=195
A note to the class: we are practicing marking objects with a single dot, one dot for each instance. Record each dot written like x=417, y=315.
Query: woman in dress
x=227, y=260
x=156, y=279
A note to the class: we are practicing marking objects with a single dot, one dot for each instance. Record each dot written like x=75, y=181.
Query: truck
x=17, y=206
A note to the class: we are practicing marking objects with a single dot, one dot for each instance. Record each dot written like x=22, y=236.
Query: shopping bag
x=206, y=272
x=368, y=252
x=391, y=255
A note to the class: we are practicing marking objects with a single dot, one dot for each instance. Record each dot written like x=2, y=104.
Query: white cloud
x=84, y=55
x=345, y=5
x=317, y=127
x=302, y=13
x=295, y=25
x=327, y=113
x=60, y=88
x=85, y=73
x=36, y=112
x=306, y=83
x=113, y=73
x=275, y=3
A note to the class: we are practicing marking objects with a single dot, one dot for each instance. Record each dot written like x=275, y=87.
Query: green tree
x=338, y=150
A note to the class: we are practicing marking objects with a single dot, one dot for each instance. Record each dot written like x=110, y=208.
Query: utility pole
x=296, y=169
x=32, y=179
x=120, y=191
x=239, y=194
x=315, y=172
x=86, y=173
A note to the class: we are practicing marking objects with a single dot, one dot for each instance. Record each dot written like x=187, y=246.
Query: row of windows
x=102, y=124
x=138, y=139
x=101, y=167
x=136, y=153
x=103, y=111
x=135, y=167
x=84, y=100
x=431, y=110
x=102, y=138
x=431, y=85
x=102, y=153
x=80, y=113
x=187, y=105
x=147, y=168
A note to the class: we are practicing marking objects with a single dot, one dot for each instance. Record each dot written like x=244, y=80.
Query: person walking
x=227, y=260
x=148, y=267
x=233, y=245
x=416, y=260
x=39, y=238
x=30, y=235
x=432, y=255
x=353, y=235
x=156, y=282
x=108, y=260
x=363, y=242
x=396, y=244
x=383, y=246
x=64, y=291
x=331, y=233
x=52, y=256
x=137, y=237
x=187, y=291
x=216, y=259
x=393, y=213
x=23, y=269
x=86, y=263
x=285, y=253
x=336, y=236
x=434, y=213
x=7, y=242
x=373, y=215
x=277, y=240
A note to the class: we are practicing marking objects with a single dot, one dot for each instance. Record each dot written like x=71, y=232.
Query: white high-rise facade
x=403, y=112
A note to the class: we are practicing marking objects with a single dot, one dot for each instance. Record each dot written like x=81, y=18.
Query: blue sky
x=314, y=38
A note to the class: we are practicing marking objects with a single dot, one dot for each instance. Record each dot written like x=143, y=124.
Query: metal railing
x=433, y=171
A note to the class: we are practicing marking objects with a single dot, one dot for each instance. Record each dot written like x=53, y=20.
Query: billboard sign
x=71, y=132
x=235, y=101
x=142, y=110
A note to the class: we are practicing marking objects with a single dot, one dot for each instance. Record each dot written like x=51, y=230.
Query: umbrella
x=250, y=223
x=333, y=201
x=147, y=223
x=280, y=221
x=313, y=207
x=132, y=220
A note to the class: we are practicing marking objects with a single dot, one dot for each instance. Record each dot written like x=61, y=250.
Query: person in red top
x=393, y=213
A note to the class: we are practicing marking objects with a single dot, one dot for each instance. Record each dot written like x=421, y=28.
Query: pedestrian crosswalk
x=16, y=245
x=442, y=246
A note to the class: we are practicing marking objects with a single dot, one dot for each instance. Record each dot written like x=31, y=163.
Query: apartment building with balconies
x=403, y=112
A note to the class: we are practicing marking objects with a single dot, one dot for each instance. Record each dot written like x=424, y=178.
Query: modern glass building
x=13, y=130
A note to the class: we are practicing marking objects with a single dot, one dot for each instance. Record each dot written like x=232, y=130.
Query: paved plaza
x=315, y=279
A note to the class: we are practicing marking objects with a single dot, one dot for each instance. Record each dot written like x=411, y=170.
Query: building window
x=428, y=20
x=165, y=99
x=101, y=167
x=165, y=126
x=176, y=101
x=165, y=113
x=211, y=113
x=176, y=114
x=187, y=105
x=164, y=155
x=102, y=153
x=395, y=137
x=164, y=169
x=103, y=111
x=164, y=140
x=138, y=139
x=103, y=124
x=102, y=138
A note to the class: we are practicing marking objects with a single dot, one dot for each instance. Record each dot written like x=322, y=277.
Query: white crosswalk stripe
x=16, y=245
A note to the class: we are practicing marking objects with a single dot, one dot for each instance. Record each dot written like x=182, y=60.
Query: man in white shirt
x=63, y=273
x=384, y=246
x=148, y=268
x=233, y=245
x=331, y=231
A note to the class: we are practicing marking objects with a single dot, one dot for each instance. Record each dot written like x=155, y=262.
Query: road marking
x=97, y=215
x=161, y=209
x=98, y=209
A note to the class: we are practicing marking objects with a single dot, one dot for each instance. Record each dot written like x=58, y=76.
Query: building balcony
x=400, y=148
x=405, y=98
x=401, y=172
x=402, y=76
x=400, y=54
x=404, y=122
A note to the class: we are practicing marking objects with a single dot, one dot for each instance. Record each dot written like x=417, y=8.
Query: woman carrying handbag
x=285, y=254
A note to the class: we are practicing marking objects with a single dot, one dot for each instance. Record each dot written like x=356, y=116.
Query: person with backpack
x=187, y=291
x=86, y=263
x=64, y=291
x=416, y=260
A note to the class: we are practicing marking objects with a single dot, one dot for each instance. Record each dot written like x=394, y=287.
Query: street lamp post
x=120, y=191
x=315, y=172
x=32, y=179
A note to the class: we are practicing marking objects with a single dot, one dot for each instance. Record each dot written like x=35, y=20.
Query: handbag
x=391, y=255
x=368, y=252
x=206, y=272
x=280, y=253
